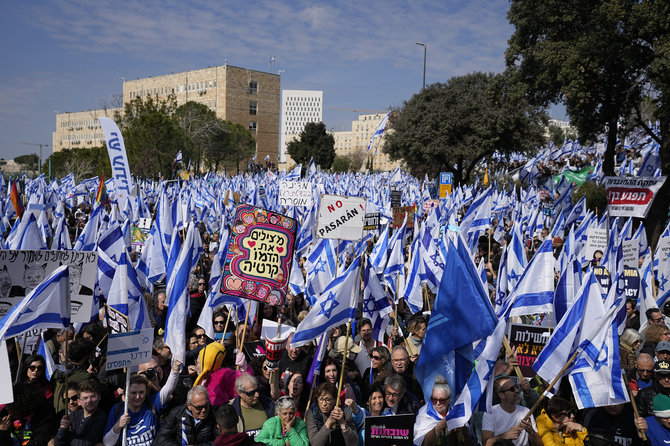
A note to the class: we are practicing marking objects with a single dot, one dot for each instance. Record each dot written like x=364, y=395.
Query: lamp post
x=424, y=63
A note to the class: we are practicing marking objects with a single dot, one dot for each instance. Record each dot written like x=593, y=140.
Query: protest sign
x=397, y=430
x=596, y=243
x=139, y=234
x=129, y=349
x=631, y=253
x=663, y=250
x=631, y=283
x=269, y=330
x=6, y=392
x=341, y=217
x=116, y=321
x=399, y=216
x=631, y=196
x=396, y=198
x=258, y=261
x=603, y=277
x=295, y=193
x=429, y=204
x=529, y=340
x=371, y=222
x=23, y=271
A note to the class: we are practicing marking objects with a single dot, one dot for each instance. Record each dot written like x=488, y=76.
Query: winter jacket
x=82, y=431
x=272, y=435
x=203, y=433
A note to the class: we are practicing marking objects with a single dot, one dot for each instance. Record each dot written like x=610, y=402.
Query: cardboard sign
x=397, y=430
x=446, y=180
x=129, y=349
x=258, y=261
x=663, y=249
x=631, y=196
x=341, y=217
x=596, y=243
x=631, y=253
x=399, y=216
x=116, y=321
x=23, y=271
x=396, y=198
x=138, y=237
x=371, y=222
x=603, y=276
x=295, y=193
x=529, y=341
x=630, y=282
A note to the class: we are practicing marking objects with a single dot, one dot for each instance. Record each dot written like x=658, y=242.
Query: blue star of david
x=513, y=276
x=369, y=305
x=328, y=305
x=490, y=369
x=320, y=266
x=601, y=362
x=662, y=281
x=436, y=260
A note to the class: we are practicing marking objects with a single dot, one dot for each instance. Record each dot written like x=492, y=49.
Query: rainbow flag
x=14, y=196
x=101, y=195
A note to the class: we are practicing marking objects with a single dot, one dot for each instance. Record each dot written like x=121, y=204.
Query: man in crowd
x=226, y=423
x=252, y=408
x=398, y=399
x=198, y=419
x=618, y=422
x=661, y=384
x=78, y=353
x=403, y=368
x=506, y=420
x=84, y=426
x=294, y=359
x=365, y=339
x=659, y=422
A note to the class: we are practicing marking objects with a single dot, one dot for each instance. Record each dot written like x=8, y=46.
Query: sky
x=70, y=55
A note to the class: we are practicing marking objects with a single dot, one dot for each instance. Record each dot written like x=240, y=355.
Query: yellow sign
x=444, y=190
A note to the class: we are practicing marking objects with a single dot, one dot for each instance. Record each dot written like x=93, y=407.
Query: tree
x=313, y=142
x=341, y=164
x=28, y=162
x=84, y=163
x=452, y=126
x=230, y=145
x=199, y=125
x=602, y=59
x=151, y=134
x=357, y=158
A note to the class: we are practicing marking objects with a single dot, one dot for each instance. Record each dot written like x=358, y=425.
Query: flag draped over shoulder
x=461, y=315
x=47, y=306
x=336, y=306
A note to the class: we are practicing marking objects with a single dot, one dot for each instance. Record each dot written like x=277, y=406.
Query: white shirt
x=499, y=421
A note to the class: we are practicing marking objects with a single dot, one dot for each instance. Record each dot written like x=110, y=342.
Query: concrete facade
x=80, y=129
x=349, y=142
x=298, y=107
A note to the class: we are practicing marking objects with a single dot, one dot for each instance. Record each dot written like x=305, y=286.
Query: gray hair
x=441, y=384
x=399, y=347
x=629, y=337
x=195, y=390
x=396, y=382
x=283, y=403
x=243, y=380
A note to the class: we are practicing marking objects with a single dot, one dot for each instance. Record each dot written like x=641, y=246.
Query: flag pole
x=344, y=360
x=509, y=351
x=244, y=329
x=225, y=328
x=124, y=439
x=632, y=401
x=19, y=354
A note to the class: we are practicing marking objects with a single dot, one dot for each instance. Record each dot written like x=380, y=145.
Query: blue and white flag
x=47, y=306
x=179, y=158
x=478, y=217
x=44, y=351
x=516, y=257
x=321, y=267
x=535, y=291
x=336, y=306
x=27, y=235
x=125, y=295
x=376, y=303
x=312, y=377
x=379, y=131
x=394, y=272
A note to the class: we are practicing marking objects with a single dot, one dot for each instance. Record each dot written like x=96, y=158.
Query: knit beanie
x=662, y=406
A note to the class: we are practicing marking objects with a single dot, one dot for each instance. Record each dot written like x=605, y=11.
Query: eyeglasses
x=250, y=392
x=439, y=400
x=396, y=361
x=32, y=368
x=218, y=322
x=74, y=398
x=325, y=400
x=199, y=408
x=393, y=395
x=663, y=376
x=201, y=284
x=200, y=336
x=657, y=319
x=667, y=333
x=376, y=357
x=512, y=388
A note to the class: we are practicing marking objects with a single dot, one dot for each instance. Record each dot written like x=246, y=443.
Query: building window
x=252, y=126
x=253, y=87
x=253, y=107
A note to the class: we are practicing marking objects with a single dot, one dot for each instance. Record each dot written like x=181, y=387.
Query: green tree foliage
x=199, y=125
x=234, y=144
x=596, y=196
x=84, y=163
x=313, y=142
x=452, y=126
x=602, y=59
x=152, y=135
x=341, y=164
x=28, y=162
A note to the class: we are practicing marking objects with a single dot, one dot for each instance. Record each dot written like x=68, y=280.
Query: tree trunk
x=610, y=151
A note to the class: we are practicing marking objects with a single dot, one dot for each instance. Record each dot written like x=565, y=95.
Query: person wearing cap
x=658, y=425
x=661, y=385
x=663, y=351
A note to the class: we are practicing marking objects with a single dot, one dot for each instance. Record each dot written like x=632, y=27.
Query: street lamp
x=424, y=62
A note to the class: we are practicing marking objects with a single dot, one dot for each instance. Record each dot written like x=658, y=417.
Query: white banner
x=118, y=159
x=295, y=193
x=129, y=348
x=23, y=271
x=631, y=196
x=596, y=240
x=631, y=253
x=341, y=217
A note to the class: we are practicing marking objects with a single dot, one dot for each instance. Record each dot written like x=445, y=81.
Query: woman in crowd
x=330, y=373
x=380, y=360
x=629, y=341
x=29, y=420
x=328, y=424
x=556, y=425
x=654, y=334
x=374, y=409
x=285, y=429
x=33, y=373
x=293, y=385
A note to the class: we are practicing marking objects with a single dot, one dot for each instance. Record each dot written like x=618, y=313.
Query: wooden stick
x=19, y=354
x=124, y=433
x=337, y=257
x=509, y=351
x=632, y=402
x=244, y=329
x=278, y=327
x=344, y=360
x=225, y=328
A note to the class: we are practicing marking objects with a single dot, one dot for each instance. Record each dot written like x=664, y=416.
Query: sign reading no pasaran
x=341, y=217
x=129, y=348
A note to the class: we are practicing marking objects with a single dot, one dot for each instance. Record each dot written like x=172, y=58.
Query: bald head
x=645, y=361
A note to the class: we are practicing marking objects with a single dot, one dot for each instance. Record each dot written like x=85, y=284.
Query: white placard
x=663, y=250
x=596, y=241
x=130, y=348
x=631, y=196
x=341, y=217
x=295, y=193
x=6, y=393
x=631, y=253
x=270, y=329
x=23, y=271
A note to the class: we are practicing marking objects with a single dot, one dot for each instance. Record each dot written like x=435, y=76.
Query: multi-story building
x=298, y=107
x=80, y=129
x=240, y=95
x=356, y=141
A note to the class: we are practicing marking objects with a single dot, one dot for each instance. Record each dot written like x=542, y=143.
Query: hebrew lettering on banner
x=258, y=261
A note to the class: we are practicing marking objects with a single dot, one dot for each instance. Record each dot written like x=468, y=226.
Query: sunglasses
x=200, y=336
x=201, y=284
x=32, y=368
x=511, y=388
x=74, y=398
x=218, y=322
x=439, y=400
x=376, y=357
x=199, y=408
x=250, y=392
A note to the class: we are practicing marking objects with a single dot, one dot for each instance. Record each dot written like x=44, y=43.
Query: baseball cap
x=663, y=346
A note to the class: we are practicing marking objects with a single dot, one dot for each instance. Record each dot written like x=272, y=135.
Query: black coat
x=82, y=431
x=204, y=433
x=645, y=398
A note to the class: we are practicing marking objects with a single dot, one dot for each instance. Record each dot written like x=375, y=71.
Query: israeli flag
x=336, y=306
x=47, y=306
x=376, y=304
x=535, y=291
x=179, y=158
